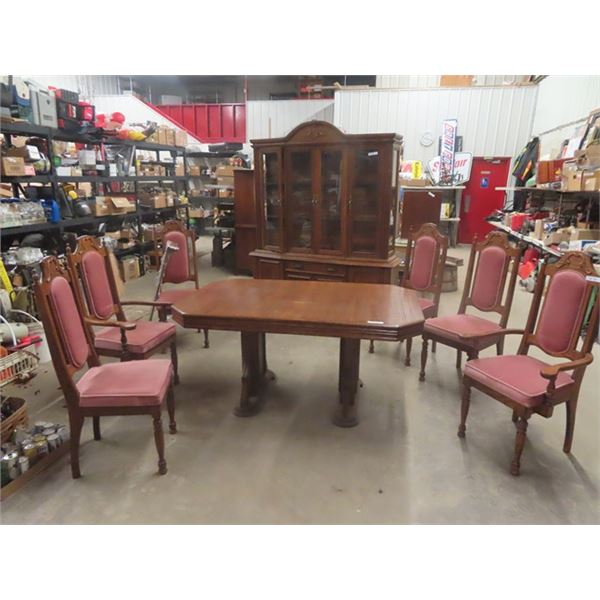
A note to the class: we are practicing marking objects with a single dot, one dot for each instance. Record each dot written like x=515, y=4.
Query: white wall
x=563, y=104
x=86, y=85
x=429, y=81
x=494, y=121
x=276, y=118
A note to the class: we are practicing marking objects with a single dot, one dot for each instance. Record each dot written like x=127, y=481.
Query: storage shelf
x=28, y=179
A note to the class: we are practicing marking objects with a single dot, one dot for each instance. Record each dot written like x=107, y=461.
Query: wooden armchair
x=530, y=386
x=90, y=265
x=424, y=271
x=123, y=388
x=491, y=263
x=182, y=265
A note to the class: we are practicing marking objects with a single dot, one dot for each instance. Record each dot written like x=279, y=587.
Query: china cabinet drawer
x=317, y=268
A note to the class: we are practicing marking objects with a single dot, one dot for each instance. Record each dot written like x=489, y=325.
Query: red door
x=480, y=198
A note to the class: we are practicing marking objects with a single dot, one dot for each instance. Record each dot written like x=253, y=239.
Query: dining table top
x=336, y=309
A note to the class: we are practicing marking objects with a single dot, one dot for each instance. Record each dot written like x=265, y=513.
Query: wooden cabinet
x=327, y=205
x=245, y=219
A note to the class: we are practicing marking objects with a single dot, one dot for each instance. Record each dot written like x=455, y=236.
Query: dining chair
x=531, y=386
x=89, y=264
x=491, y=263
x=182, y=265
x=423, y=271
x=113, y=389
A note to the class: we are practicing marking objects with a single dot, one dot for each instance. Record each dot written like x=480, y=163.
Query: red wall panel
x=209, y=122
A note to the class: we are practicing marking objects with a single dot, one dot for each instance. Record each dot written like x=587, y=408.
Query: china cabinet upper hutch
x=327, y=205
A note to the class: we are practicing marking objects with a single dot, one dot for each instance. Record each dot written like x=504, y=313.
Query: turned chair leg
x=423, y=359
x=458, y=359
x=464, y=409
x=175, y=361
x=371, y=346
x=433, y=346
x=515, y=416
x=515, y=467
x=206, y=344
x=408, y=349
x=76, y=425
x=171, y=410
x=159, y=440
x=571, y=408
x=500, y=347
x=96, y=422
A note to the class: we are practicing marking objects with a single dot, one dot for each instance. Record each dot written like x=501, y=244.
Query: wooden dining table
x=349, y=311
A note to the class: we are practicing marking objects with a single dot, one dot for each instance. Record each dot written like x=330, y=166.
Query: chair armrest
x=145, y=303
x=469, y=336
x=124, y=325
x=552, y=371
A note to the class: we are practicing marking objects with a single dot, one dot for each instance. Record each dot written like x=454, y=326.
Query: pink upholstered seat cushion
x=146, y=335
x=516, y=377
x=173, y=296
x=453, y=326
x=133, y=383
x=427, y=306
x=178, y=267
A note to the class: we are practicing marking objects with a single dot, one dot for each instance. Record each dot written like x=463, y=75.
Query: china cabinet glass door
x=330, y=201
x=300, y=199
x=364, y=199
x=270, y=167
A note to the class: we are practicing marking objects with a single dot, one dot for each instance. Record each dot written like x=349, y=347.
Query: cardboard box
x=25, y=152
x=571, y=177
x=590, y=156
x=194, y=170
x=456, y=80
x=100, y=207
x=121, y=205
x=13, y=166
x=87, y=159
x=63, y=171
x=224, y=171
x=225, y=193
x=584, y=234
x=153, y=200
x=590, y=181
x=225, y=181
x=413, y=182
x=170, y=137
x=130, y=268
x=556, y=237
x=196, y=213
x=179, y=170
x=180, y=138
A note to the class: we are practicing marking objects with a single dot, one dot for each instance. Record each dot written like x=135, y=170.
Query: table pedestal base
x=255, y=374
x=346, y=414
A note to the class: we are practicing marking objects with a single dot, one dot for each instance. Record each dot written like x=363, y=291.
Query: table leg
x=346, y=413
x=254, y=373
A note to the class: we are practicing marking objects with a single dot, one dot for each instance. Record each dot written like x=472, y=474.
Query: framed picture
x=592, y=131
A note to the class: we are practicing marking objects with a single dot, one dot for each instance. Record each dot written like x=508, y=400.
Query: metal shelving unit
x=140, y=214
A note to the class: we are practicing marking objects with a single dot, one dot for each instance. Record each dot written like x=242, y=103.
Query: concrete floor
x=402, y=464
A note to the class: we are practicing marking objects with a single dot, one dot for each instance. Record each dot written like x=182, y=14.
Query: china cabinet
x=327, y=205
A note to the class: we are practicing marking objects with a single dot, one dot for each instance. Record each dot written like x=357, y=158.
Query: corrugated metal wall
x=430, y=81
x=563, y=104
x=493, y=121
x=276, y=118
x=87, y=85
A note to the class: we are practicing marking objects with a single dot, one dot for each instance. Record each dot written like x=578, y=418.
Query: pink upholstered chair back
x=178, y=267
x=564, y=307
x=68, y=322
x=425, y=258
x=98, y=292
x=423, y=262
x=61, y=312
x=490, y=278
x=492, y=263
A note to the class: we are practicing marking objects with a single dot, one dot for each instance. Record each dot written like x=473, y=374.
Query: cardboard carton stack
x=583, y=173
x=168, y=136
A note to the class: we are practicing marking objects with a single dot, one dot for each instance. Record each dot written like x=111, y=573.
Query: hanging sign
x=462, y=168
x=449, y=127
